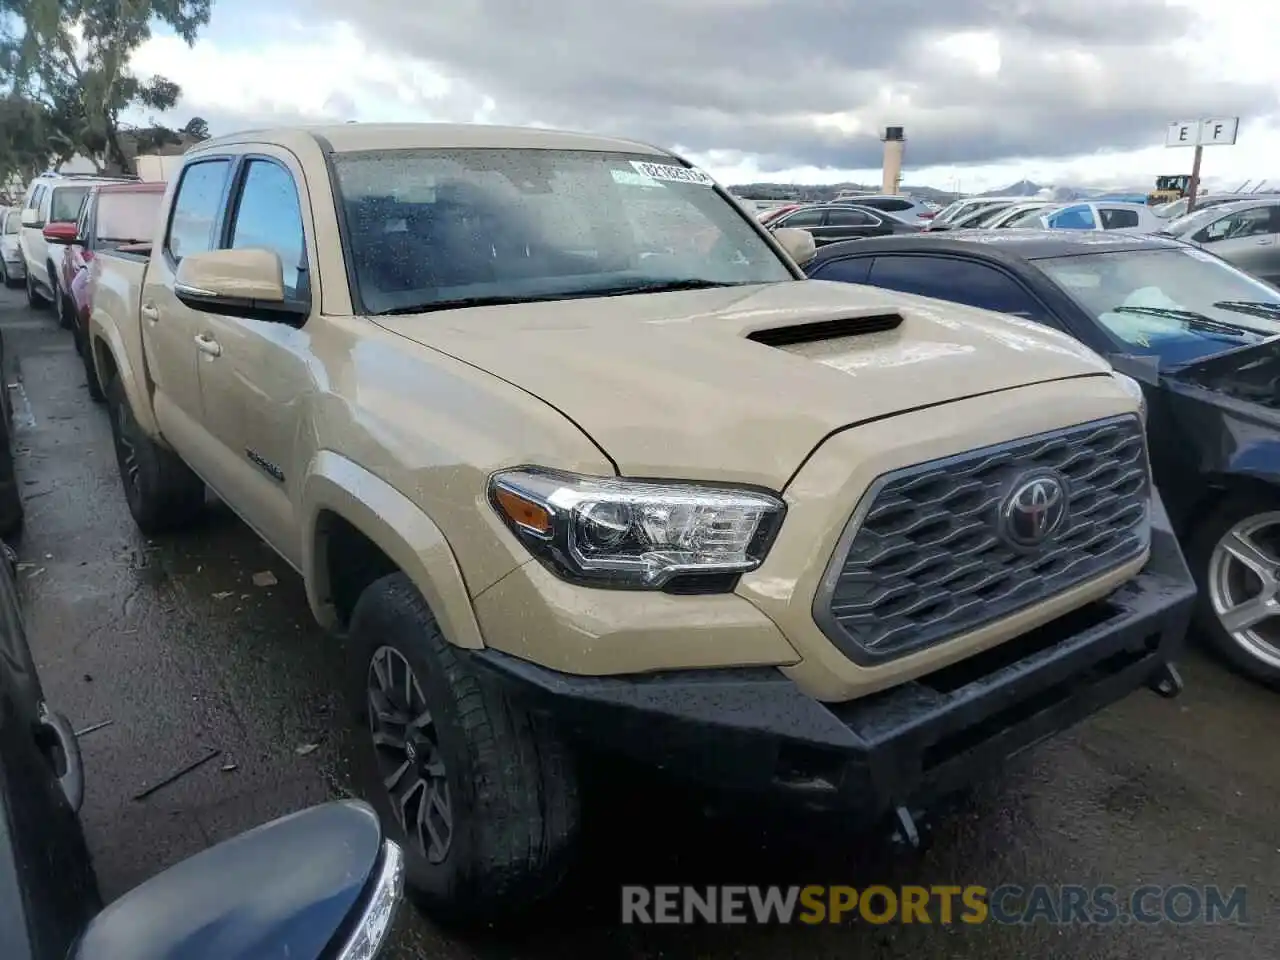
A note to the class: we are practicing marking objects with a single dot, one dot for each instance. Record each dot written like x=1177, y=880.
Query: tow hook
x=1166, y=681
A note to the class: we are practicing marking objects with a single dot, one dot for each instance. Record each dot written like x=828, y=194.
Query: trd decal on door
x=275, y=472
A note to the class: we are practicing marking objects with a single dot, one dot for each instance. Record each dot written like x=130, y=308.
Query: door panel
x=255, y=387
x=1246, y=238
x=47, y=889
x=169, y=327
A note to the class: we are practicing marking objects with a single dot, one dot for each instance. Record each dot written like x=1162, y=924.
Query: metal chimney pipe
x=895, y=146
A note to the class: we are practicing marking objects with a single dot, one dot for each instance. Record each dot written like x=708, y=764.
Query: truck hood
x=671, y=385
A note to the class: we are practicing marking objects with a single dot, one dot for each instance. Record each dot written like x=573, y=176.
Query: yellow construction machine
x=1170, y=188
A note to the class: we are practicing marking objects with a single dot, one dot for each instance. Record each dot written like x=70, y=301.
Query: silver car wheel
x=1244, y=585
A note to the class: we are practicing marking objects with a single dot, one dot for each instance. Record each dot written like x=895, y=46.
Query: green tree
x=25, y=147
x=71, y=59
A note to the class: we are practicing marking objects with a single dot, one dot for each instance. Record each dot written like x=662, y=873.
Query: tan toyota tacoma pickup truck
x=564, y=443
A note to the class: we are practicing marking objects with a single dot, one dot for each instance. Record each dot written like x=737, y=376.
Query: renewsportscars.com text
x=1007, y=904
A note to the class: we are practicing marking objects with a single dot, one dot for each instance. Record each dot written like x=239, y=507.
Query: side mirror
x=322, y=883
x=230, y=278
x=798, y=244
x=61, y=233
x=31, y=218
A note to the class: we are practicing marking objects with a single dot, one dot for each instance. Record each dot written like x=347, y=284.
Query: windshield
x=1190, y=222
x=1029, y=218
x=435, y=228
x=1175, y=305
x=65, y=207
x=127, y=217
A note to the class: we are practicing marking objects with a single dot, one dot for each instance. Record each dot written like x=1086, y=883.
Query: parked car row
x=321, y=883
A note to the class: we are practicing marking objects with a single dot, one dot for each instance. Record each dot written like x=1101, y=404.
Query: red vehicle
x=113, y=215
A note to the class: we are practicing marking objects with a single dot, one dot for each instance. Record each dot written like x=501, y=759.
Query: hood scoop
x=796, y=334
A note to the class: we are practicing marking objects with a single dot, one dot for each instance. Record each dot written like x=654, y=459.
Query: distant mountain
x=821, y=193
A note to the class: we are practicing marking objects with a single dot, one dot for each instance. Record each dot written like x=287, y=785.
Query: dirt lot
x=174, y=644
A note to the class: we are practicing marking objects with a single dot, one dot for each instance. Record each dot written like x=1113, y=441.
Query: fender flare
x=399, y=528
x=111, y=340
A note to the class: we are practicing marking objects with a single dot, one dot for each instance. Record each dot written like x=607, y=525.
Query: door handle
x=150, y=312
x=208, y=345
x=1263, y=241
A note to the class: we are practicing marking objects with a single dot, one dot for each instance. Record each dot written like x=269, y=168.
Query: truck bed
x=116, y=279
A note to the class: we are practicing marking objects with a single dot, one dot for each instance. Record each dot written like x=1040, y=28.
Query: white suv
x=51, y=198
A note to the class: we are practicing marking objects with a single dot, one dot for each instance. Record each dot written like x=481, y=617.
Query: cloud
x=799, y=82
x=781, y=89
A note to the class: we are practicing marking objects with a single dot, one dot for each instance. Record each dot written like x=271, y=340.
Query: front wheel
x=162, y=491
x=481, y=793
x=1235, y=554
x=35, y=299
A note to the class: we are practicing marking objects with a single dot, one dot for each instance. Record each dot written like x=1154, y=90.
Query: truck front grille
x=944, y=547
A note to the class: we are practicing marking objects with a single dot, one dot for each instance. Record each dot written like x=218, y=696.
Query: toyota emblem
x=1035, y=509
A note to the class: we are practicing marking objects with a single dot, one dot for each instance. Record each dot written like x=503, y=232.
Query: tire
x=7, y=280
x=12, y=512
x=511, y=783
x=67, y=314
x=91, y=381
x=35, y=299
x=1256, y=655
x=59, y=301
x=162, y=492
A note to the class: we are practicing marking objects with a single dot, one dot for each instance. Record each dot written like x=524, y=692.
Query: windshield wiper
x=1196, y=320
x=1257, y=308
x=460, y=303
x=656, y=286
x=635, y=286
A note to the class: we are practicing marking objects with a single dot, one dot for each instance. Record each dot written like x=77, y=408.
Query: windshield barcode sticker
x=633, y=179
x=662, y=171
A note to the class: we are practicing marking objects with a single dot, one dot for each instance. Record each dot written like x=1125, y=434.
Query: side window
x=895, y=206
x=850, y=218
x=1246, y=223
x=33, y=202
x=82, y=222
x=268, y=216
x=196, y=208
x=1073, y=218
x=960, y=281
x=801, y=219
x=1115, y=218
x=844, y=270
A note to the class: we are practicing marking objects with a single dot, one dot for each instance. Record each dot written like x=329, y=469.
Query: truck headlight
x=610, y=532
x=1134, y=389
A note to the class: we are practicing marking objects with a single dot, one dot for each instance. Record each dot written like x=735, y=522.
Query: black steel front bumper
x=754, y=730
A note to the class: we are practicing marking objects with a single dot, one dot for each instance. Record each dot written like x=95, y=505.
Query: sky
x=796, y=91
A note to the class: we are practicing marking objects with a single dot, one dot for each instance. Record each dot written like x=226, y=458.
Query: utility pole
x=1195, y=177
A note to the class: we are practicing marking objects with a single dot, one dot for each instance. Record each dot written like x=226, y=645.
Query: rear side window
x=801, y=219
x=1117, y=219
x=196, y=208
x=127, y=217
x=65, y=207
x=890, y=204
x=850, y=218
x=268, y=217
x=1073, y=218
x=844, y=270
x=960, y=281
